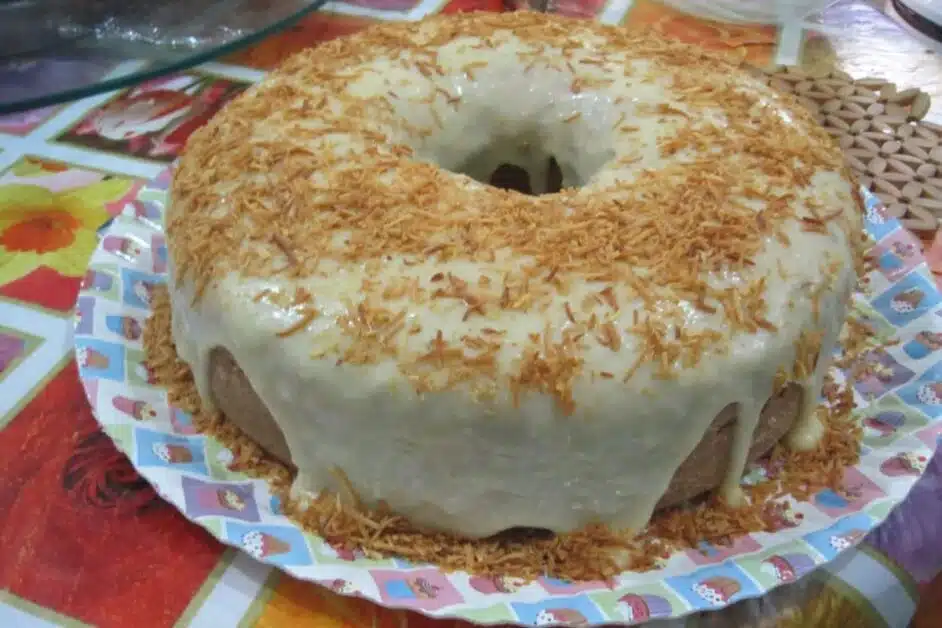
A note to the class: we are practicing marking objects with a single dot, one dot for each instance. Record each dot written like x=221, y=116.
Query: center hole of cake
x=519, y=163
x=513, y=177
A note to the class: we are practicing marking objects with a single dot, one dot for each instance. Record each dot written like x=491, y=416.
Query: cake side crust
x=701, y=472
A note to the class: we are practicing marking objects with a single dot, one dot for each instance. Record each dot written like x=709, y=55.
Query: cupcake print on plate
x=715, y=587
x=139, y=409
x=787, y=567
x=280, y=545
x=206, y=499
x=640, y=608
x=906, y=463
x=490, y=585
x=881, y=374
x=923, y=345
x=907, y=300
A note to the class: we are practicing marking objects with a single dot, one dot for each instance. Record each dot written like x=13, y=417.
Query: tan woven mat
x=892, y=150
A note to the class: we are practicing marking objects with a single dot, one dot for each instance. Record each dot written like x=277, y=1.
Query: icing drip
x=193, y=353
x=746, y=421
x=807, y=431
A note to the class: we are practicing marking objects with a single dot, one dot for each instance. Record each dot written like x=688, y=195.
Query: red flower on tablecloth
x=99, y=475
x=154, y=119
x=105, y=566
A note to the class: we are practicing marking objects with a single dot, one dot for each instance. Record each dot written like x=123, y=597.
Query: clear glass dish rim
x=155, y=68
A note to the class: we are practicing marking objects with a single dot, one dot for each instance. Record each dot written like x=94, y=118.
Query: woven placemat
x=892, y=150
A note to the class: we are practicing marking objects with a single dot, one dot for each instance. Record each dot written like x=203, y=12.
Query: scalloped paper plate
x=901, y=424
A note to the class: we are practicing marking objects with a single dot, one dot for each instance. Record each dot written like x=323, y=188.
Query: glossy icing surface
x=353, y=355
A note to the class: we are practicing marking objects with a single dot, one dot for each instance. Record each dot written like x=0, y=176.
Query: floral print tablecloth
x=86, y=541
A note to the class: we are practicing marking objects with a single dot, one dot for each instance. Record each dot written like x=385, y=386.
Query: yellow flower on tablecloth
x=39, y=227
x=31, y=166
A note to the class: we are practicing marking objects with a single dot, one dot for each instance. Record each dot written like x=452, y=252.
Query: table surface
x=87, y=542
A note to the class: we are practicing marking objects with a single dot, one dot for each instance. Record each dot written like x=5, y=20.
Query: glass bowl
x=52, y=51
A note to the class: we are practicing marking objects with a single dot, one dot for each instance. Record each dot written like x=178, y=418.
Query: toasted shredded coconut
x=308, y=314
x=245, y=199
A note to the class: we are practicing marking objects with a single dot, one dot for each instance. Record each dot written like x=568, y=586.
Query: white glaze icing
x=448, y=461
